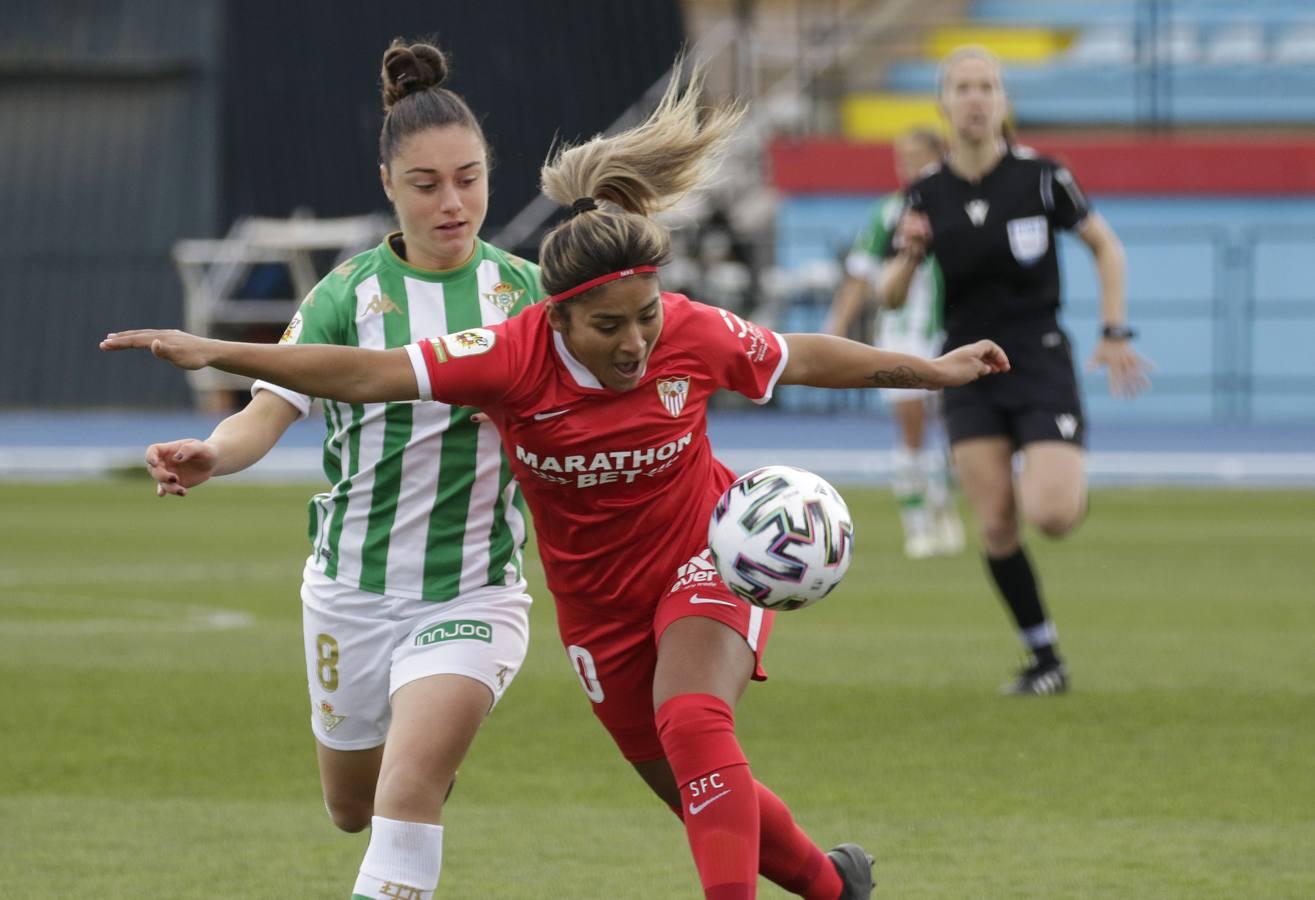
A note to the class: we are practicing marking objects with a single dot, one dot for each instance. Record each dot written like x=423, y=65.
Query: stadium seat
x=1104, y=45
x=1073, y=13
x=1240, y=43
x=1295, y=46
x=1178, y=44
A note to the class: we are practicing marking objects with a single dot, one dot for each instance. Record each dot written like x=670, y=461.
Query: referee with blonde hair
x=989, y=213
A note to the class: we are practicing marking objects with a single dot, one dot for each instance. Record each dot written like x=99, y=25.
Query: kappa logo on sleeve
x=471, y=342
x=381, y=305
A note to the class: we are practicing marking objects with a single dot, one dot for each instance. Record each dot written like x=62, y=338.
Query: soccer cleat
x=1038, y=680
x=949, y=533
x=855, y=867
x=920, y=545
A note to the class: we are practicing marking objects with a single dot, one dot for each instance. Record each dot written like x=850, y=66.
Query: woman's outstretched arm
x=345, y=374
x=821, y=360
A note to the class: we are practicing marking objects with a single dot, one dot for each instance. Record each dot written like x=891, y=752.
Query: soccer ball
x=781, y=537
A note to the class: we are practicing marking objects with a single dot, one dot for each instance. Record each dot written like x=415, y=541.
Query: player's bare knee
x=352, y=818
x=418, y=790
x=1056, y=521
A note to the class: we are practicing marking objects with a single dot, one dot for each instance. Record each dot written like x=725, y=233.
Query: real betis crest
x=673, y=392
x=504, y=296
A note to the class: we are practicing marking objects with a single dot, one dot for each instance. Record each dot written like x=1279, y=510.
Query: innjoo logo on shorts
x=457, y=630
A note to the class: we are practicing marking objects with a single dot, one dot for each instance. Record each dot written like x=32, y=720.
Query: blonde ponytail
x=633, y=175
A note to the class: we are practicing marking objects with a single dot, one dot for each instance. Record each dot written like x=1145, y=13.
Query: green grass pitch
x=150, y=752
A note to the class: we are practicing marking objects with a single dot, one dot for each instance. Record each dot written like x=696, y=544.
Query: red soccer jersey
x=620, y=485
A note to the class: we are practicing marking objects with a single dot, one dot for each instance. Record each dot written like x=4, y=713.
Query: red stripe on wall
x=1273, y=165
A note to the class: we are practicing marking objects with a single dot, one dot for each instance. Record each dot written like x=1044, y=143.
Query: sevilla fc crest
x=673, y=392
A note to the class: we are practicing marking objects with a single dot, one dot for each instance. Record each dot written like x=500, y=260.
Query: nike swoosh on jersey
x=697, y=599
x=539, y=417
x=694, y=809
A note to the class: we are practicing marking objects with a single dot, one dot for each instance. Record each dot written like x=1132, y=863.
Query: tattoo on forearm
x=898, y=377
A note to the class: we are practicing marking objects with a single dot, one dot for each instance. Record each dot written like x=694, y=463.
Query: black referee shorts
x=1036, y=400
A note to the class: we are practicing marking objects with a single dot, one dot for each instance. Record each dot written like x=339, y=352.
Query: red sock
x=717, y=792
x=788, y=857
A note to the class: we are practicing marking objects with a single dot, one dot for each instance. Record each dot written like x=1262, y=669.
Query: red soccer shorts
x=615, y=660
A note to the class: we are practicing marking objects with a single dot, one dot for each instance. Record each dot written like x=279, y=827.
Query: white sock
x=910, y=489
x=1043, y=635
x=936, y=478
x=402, y=861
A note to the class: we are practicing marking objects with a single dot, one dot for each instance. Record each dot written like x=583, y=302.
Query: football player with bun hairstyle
x=989, y=214
x=402, y=547
x=601, y=394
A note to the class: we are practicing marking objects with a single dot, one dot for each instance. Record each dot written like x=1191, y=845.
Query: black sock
x=1014, y=577
x=1045, y=655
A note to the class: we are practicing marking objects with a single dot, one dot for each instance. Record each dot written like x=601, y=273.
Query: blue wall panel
x=1221, y=289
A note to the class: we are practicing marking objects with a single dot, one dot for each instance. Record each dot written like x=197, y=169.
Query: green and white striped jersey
x=422, y=503
x=921, y=316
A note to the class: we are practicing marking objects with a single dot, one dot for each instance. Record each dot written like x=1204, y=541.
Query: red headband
x=601, y=279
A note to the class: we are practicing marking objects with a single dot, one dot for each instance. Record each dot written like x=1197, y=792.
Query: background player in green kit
x=414, y=606
x=912, y=325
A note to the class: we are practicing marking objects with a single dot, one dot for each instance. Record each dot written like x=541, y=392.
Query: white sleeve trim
x=780, y=368
x=299, y=401
x=421, y=371
x=861, y=265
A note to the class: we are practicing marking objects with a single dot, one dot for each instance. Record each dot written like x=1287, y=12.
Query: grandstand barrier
x=1278, y=165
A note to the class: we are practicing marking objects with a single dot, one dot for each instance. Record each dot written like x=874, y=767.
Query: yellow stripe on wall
x=882, y=117
x=1012, y=45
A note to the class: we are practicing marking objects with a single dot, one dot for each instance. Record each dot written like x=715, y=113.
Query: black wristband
x=1117, y=333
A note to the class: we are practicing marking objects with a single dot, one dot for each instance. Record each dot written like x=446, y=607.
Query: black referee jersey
x=995, y=242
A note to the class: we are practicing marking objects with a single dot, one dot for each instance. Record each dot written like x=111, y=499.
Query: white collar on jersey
x=583, y=377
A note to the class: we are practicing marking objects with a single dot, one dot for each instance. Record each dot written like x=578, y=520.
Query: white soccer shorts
x=362, y=646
